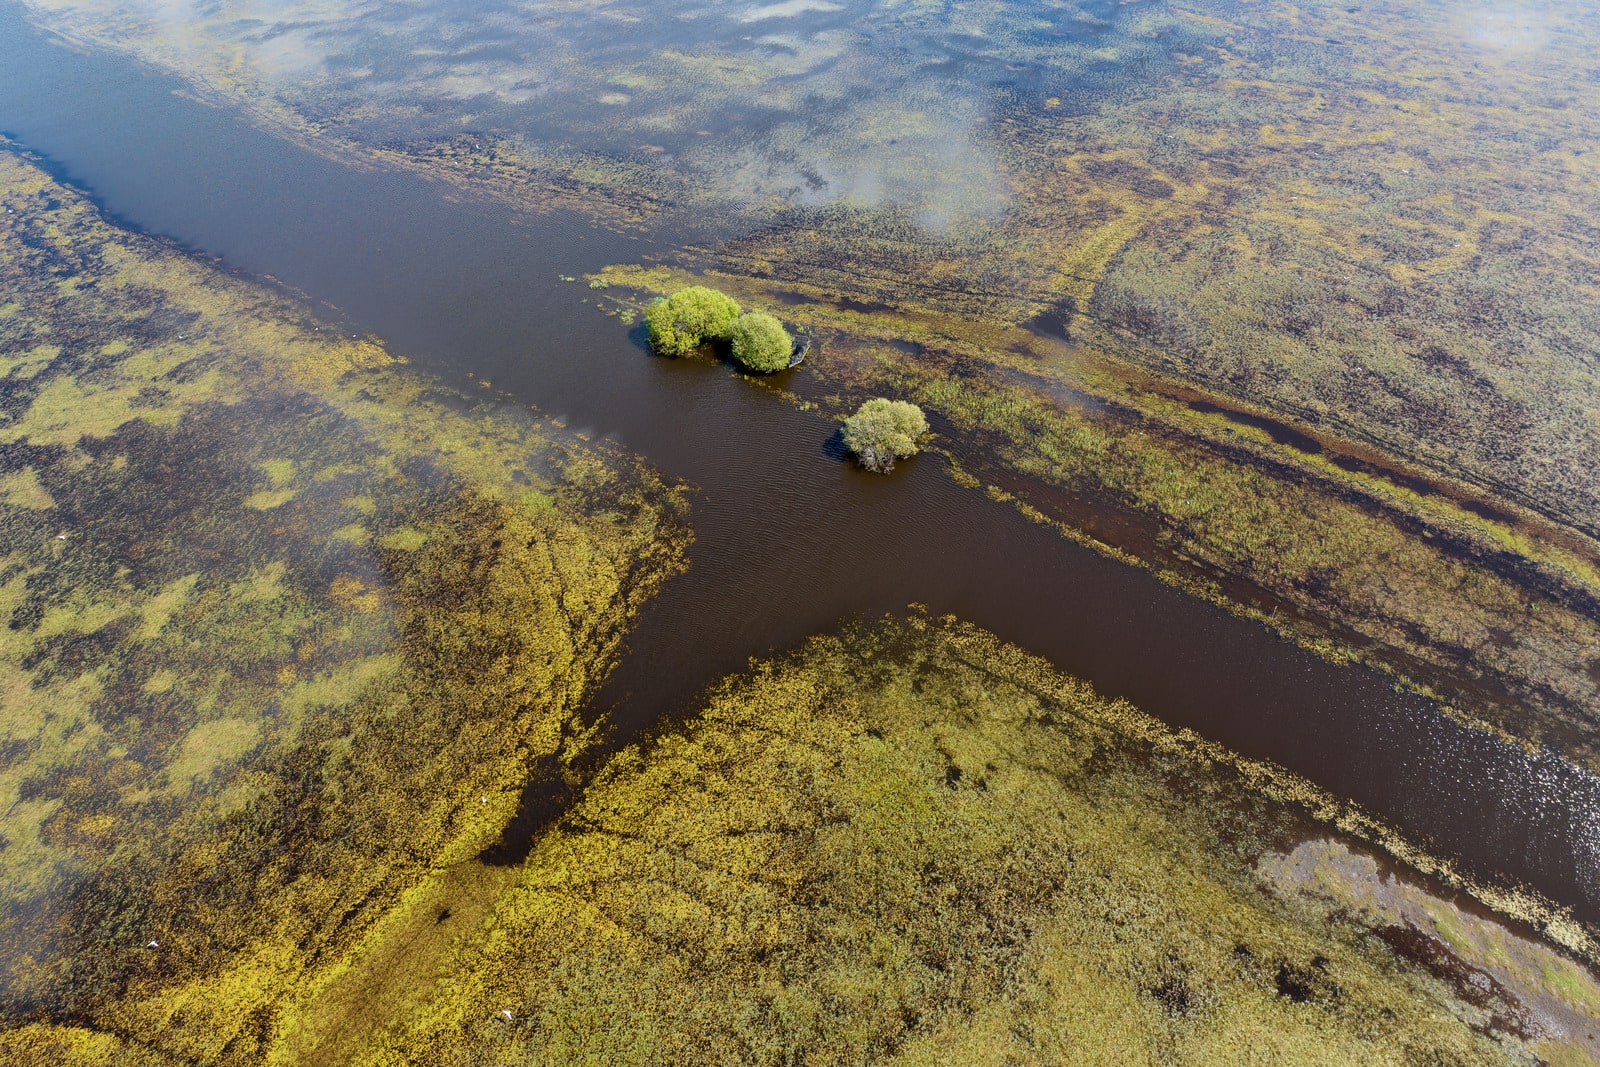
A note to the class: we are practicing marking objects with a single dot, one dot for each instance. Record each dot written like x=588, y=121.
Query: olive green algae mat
x=913, y=844
x=289, y=627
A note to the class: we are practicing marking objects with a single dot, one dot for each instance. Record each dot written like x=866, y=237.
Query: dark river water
x=790, y=540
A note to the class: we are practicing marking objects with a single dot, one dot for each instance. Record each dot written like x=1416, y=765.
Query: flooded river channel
x=789, y=538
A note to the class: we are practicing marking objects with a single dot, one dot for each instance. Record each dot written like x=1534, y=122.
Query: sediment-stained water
x=788, y=538
x=1364, y=231
x=398, y=507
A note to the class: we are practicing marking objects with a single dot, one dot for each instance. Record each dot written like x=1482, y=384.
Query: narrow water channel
x=789, y=539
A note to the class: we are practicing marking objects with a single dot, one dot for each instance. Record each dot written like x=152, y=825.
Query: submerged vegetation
x=882, y=431
x=294, y=632
x=1290, y=303
x=288, y=626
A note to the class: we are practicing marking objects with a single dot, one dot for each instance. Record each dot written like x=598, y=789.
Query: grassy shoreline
x=909, y=841
x=290, y=625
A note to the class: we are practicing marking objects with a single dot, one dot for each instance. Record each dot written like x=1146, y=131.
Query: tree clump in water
x=882, y=431
x=760, y=343
x=689, y=318
x=1209, y=217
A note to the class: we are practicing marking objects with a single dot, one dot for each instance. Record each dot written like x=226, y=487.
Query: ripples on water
x=789, y=540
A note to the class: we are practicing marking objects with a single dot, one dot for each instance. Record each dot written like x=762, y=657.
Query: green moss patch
x=276, y=619
x=911, y=844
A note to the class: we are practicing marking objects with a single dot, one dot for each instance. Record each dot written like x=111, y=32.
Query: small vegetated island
x=760, y=342
x=882, y=431
x=879, y=433
x=687, y=319
x=698, y=315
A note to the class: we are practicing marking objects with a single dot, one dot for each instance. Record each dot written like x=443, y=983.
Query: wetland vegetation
x=760, y=343
x=882, y=431
x=1290, y=304
x=293, y=627
x=679, y=324
x=1287, y=303
x=913, y=844
x=287, y=628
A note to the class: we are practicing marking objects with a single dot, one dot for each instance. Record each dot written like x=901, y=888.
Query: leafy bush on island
x=688, y=318
x=882, y=431
x=761, y=343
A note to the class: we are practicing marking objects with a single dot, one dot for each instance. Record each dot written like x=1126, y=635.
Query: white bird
x=507, y=1013
x=153, y=944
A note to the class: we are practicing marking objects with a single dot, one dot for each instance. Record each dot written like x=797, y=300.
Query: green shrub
x=882, y=431
x=761, y=343
x=688, y=318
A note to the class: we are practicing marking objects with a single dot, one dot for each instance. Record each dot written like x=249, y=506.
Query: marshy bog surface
x=424, y=668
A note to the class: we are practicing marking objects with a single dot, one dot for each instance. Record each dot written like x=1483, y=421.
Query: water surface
x=790, y=539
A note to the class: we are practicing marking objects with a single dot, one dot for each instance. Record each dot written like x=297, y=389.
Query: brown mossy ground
x=287, y=627
x=911, y=844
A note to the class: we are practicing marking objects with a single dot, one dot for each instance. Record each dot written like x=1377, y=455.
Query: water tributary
x=789, y=539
